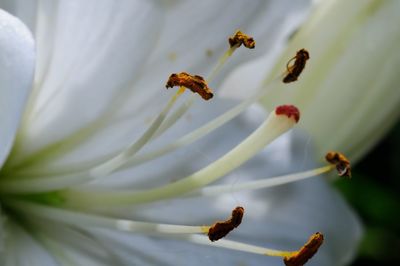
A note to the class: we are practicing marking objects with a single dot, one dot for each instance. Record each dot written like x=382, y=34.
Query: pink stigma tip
x=289, y=111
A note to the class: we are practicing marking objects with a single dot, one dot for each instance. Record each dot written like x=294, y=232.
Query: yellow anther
x=195, y=83
x=240, y=38
x=340, y=161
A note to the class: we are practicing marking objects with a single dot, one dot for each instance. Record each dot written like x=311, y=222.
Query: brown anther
x=221, y=229
x=241, y=38
x=342, y=163
x=195, y=83
x=294, y=70
x=306, y=252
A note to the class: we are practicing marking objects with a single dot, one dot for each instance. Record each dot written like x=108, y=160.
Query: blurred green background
x=374, y=192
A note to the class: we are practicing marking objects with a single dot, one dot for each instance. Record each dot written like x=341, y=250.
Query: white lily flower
x=97, y=166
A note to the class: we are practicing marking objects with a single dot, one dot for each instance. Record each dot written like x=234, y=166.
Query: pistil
x=275, y=125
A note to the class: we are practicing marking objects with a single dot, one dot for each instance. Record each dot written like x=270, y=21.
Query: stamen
x=274, y=126
x=234, y=245
x=259, y=184
x=240, y=38
x=341, y=162
x=306, y=252
x=291, y=258
x=294, y=71
x=235, y=42
x=183, y=232
x=221, y=229
x=195, y=83
x=214, y=232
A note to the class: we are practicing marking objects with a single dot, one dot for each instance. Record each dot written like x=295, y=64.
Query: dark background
x=374, y=192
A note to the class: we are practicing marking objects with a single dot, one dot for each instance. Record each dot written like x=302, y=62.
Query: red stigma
x=289, y=111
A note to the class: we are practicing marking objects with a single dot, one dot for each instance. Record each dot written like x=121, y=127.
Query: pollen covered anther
x=300, y=257
x=195, y=83
x=290, y=111
x=294, y=70
x=240, y=38
x=221, y=229
x=342, y=163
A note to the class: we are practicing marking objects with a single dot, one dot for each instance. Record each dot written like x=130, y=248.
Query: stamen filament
x=89, y=220
x=174, y=117
x=114, y=163
x=235, y=41
x=221, y=63
x=234, y=245
x=53, y=247
x=274, y=126
x=259, y=184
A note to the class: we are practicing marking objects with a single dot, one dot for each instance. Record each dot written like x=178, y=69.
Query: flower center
x=58, y=196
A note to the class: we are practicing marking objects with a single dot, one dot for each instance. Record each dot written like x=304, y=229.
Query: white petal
x=41, y=18
x=348, y=92
x=23, y=250
x=22, y=9
x=97, y=52
x=17, y=65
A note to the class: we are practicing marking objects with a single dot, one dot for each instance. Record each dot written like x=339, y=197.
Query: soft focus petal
x=352, y=84
x=348, y=92
x=17, y=60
